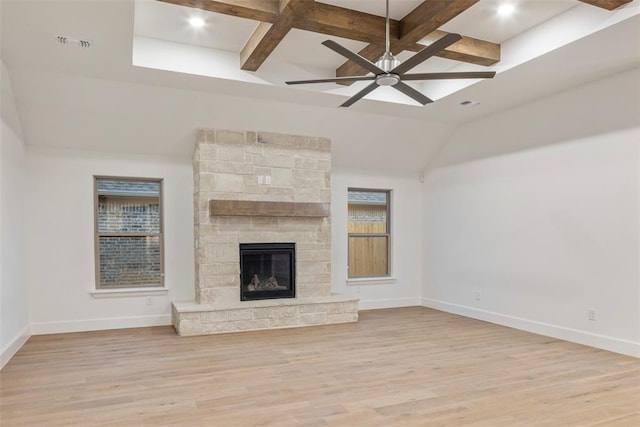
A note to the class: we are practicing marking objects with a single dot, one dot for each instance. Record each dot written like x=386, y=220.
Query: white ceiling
x=155, y=107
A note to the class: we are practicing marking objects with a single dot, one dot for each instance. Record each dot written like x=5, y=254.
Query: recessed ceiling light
x=469, y=103
x=506, y=9
x=196, y=22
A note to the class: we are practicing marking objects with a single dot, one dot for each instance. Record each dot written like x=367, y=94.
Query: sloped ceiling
x=96, y=99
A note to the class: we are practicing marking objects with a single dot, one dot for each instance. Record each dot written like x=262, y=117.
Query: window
x=368, y=222
x=128, y=227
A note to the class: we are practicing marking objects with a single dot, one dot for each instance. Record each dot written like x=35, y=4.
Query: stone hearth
x=258, y=187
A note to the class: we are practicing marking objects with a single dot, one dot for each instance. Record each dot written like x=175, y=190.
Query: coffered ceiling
x=271, y=41
x=416, y=29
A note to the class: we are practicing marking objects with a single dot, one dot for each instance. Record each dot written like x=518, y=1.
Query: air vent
x=65, y=40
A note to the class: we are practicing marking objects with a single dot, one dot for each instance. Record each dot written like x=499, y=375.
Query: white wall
x=536, y=238
x=406, y=229
x=14, y=315
x=60, y=241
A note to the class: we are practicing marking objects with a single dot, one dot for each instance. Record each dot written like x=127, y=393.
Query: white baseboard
x=374, y=304
x=44, y=328
x=616, y=345
x=16, y=344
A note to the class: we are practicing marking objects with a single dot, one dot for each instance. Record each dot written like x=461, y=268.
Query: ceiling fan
x=389, y=71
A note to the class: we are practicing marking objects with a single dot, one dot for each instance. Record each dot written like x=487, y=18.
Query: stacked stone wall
x=260, y=167
x=229, y=166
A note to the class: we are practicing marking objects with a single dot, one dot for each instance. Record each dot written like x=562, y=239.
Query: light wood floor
x=397, y=367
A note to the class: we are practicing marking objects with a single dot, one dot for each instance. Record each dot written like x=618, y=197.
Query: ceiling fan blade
x=427, y=52
x=453, y=75
x=360, y=95
x=334, y=80
x=412, y=93
x=363, y=62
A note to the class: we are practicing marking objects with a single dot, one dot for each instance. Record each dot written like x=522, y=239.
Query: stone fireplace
x=262, y=235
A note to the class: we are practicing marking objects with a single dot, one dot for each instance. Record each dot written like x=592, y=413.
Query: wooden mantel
x=255, y=208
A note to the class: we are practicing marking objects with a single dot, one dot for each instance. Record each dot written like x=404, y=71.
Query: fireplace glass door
x=267, y=271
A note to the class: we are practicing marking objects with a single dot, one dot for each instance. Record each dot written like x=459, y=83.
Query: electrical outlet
x=478, y=295
x=149, y=301
x=260, y=179
x=591, y=315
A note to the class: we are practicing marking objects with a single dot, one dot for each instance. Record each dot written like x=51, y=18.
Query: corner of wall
x=8, y=108
x=14, y=309
x=14, y=345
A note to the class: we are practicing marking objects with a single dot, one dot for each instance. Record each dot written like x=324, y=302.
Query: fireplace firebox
x=267, y=271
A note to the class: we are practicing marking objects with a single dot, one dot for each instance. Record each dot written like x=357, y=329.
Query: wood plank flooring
x=396, y=367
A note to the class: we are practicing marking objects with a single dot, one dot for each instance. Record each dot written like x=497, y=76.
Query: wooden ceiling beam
x=607, y=4
x=266, y=37
x=337, y=22
x=427, y=17
x=418, y=24
x=346, y=23
x=470, y=50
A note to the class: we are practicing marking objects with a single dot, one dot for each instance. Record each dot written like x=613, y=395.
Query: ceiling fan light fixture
x=388, y=79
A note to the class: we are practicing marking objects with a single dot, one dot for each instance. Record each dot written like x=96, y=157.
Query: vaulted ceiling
x=148, y=81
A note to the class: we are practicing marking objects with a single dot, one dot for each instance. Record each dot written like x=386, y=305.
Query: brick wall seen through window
x=129, y=240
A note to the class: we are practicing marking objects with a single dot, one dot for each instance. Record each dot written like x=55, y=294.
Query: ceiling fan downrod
x=387, y=61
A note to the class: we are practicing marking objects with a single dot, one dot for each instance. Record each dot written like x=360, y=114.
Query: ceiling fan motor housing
x=387, y=62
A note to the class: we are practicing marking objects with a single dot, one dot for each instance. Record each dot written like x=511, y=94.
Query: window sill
x=128, y=292
x=371, y=280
